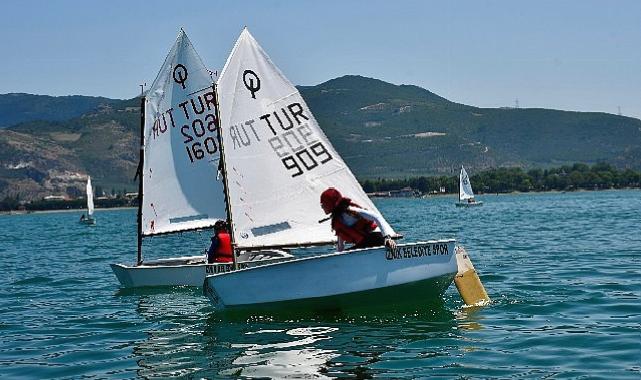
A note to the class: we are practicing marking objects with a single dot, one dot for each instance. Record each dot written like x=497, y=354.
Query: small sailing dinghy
x=465, y=193
x=89, y=219
x=179, y=187
x=277, y=162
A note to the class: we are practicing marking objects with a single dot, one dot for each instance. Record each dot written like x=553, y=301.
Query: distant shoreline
x=577, y=177
x=63, y=210
x=424, y=196
x=454, y=195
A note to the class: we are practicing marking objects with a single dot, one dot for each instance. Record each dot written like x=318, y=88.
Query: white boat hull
x=466, y=204
x=341, y=280
x=187, y=271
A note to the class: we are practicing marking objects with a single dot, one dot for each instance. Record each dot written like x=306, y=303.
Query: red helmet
x=330, y=198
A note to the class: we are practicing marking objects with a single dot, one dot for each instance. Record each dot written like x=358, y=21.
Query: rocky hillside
x=53, y=158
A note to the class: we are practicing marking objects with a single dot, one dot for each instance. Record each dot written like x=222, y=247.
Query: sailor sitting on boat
x=220, y=250
x=353, y=224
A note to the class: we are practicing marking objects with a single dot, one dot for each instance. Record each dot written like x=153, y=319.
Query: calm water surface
x=563, y=271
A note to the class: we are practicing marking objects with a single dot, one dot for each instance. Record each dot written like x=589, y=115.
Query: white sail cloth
x=89, y=197
x=181, y=189
x=278, y=160
x=465, y=187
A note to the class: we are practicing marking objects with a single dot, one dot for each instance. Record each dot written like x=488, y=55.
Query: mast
x=460, y=174
x=223, y=172
x=139, y=174
x=87, y=193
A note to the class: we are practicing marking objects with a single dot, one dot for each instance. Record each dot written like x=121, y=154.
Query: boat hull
x=399, y=298
x=465, y=204
x=88, y=221
x=186, y=271
x=372, y=277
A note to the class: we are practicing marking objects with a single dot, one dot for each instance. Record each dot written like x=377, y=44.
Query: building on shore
x=406, y=192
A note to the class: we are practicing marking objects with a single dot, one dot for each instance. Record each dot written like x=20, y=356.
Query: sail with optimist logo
x=278, y=160
x=181, y=187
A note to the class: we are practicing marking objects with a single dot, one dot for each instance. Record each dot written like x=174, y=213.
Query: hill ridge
x=380, y=129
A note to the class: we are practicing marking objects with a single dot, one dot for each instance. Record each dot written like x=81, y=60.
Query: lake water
x=563, y=271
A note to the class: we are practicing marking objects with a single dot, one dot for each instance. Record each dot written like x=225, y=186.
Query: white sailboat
x=277, y=162
x=180, y=188
x=466, y=195
x=89, y=219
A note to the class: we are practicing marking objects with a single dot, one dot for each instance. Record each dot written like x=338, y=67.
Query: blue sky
x=571, y=55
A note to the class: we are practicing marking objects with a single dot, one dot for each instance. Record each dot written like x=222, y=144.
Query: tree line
x=14, y=203
x=504, y=180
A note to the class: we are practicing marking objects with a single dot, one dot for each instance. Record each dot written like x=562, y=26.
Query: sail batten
x=278, y=159
x=182, y=190
x=162, y=233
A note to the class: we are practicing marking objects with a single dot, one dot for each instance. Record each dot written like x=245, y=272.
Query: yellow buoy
x=467, y=281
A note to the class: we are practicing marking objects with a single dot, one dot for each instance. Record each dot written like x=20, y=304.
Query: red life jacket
x=224, y=253
x=356, y=233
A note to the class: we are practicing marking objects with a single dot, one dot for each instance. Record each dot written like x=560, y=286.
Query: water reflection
x=183, y=336
x=287, y=354
x=173, y=328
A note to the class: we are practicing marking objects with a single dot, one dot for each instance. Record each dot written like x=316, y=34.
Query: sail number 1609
x=191, y=132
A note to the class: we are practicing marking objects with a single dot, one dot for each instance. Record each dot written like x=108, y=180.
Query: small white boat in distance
x=89, y=219
x=278, y=162
x=466, y=195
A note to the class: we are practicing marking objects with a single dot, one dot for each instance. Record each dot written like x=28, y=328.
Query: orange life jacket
x=356, y=233
x=224, y=253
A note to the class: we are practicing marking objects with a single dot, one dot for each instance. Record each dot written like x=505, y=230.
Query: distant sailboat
x=89, y=218
x=278, y=162
x=466, y=195
x=180, y=186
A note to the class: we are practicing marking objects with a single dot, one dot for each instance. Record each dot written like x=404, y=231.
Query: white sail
x=181, y=188
x=465, y=187
x=278, y=160
x=89, y=197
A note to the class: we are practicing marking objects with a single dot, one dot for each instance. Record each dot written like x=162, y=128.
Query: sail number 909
x=318, y=155
x=299, y=150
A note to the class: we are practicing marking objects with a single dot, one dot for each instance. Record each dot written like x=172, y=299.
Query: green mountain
x=19, y=108
x=383, y=130
x=380, y=129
